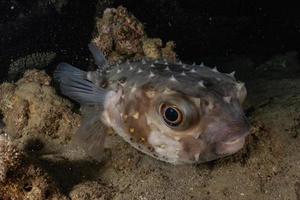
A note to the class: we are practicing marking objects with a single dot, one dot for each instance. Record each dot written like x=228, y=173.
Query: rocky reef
x=38, y=60
x=38, y=159
x=38, y=128
x=31, y=107
x=121, y=36
x=21, y=179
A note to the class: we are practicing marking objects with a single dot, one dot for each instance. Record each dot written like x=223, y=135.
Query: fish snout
x=233, y=140
x=227, y=138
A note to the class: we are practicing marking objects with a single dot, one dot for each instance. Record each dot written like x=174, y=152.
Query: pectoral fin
x=97, y=54
x=91, y=135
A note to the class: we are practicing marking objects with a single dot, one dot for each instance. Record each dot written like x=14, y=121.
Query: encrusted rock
x=32, y=107
x=20, y=179
x=10, y=158
x=37, y=60
x=121, y=36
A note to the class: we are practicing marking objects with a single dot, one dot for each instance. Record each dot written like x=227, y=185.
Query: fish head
x=185, y=121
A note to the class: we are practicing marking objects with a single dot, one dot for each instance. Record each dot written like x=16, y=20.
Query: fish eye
x=171, y=115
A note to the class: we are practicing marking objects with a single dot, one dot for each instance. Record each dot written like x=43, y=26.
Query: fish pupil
x=171, y=114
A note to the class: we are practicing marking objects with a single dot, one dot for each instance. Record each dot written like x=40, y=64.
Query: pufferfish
x=174, y=112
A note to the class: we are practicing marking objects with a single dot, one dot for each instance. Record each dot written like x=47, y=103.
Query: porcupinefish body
x=174, y=112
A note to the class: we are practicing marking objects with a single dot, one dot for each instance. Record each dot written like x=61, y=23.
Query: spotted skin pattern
x=131, y=95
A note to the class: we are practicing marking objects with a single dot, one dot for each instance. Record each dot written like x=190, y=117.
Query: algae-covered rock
x=152, y=48
x=20, y=179
x=121, y=36
x=32, y=107
x=10, y=157
x=38, y=60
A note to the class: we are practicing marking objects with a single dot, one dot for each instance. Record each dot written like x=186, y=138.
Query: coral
x=37, y=60
x=10, y=158
x=151, y=48
x=168, y=51
x=121, y=36
x=20, y=179
x=32, y=107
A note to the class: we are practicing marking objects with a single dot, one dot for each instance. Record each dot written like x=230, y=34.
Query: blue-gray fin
x=91, y=134
x=99, y=57
x=73, y=83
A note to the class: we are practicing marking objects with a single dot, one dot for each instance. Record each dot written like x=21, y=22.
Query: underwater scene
x=149, y=100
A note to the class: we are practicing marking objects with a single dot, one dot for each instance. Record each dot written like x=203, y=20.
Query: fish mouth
x=231, y=146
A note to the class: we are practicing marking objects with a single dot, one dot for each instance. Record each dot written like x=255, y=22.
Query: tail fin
x=73, y=83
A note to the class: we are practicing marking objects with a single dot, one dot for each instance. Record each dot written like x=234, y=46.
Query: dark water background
x=211, y=31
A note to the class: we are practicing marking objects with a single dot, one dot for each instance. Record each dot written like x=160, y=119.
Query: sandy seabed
x=40, y=125
x=38, y=159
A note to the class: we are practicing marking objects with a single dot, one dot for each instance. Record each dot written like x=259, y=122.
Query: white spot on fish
x=150, y=93
x=136, y=115
x=183, y=73
x=151, y=74
x=227, y=99
x=215, y=69
x=201, y=84
x=177, y=138
x=196, y=156
x=193, y=70
x=210, y=106
x=232, y=74
x=173, y=79
x=240, y=85
x=165, y=146
x=131, y=130
x=133, y=89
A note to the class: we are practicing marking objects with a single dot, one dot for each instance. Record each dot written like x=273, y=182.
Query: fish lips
x=225, y=140
x=232, y=146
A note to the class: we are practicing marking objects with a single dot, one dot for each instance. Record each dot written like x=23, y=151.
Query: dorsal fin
x=99, y=57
